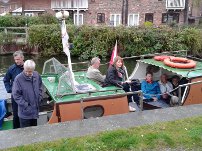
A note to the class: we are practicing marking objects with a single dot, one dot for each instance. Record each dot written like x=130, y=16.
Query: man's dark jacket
x=12, y=72
x=27, y=93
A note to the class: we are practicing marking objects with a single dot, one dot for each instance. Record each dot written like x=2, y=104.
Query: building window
x=149, y=17
x=29, y=14
x=170, y=17
x=80, y=3
x=100, y=18
x=115, y=19
x=80, y=19
x=133, y=19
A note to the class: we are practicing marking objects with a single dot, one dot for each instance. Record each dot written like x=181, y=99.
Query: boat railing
x=81, y=63
x=179, y=88
x=89, y=93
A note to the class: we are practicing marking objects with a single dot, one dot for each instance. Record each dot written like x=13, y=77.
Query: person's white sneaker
x=131, y=109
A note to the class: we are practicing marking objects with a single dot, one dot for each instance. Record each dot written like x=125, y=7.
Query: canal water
x=7, y=60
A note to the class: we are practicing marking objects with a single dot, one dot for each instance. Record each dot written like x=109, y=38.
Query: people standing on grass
x=27, y=93
x=12, y=72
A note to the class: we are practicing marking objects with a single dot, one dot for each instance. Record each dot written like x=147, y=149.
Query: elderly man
x=165, y=87
x=93, y=71
x=27, y=92
x=12, y=72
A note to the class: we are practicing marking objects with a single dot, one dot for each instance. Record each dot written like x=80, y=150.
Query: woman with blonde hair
x=116, y=76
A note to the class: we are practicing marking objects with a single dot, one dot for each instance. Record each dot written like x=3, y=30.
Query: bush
x=47, y=38
x=99, y=41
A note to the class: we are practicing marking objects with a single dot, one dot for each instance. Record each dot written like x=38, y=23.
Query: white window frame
x=133, y=21
x=175, y=4
x=75, y=19
x=29, y=14
x=115, y=23
x=81, y=3
x=70, y=4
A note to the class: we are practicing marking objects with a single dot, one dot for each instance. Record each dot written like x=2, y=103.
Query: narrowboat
x=67, y=98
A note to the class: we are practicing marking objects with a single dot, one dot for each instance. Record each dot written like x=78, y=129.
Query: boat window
x=93, y=111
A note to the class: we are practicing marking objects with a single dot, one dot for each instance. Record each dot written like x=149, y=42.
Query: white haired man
x=27, y=92
x=94, y=73
x=12, y=72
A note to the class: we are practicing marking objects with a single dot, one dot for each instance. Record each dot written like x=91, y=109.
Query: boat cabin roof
x=187, y=73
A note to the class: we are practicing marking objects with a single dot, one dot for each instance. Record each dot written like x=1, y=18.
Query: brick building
x=115, y=12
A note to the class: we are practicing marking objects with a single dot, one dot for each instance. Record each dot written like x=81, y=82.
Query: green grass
x=176, y=135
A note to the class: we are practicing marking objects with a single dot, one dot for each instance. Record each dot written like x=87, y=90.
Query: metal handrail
x=180, y=89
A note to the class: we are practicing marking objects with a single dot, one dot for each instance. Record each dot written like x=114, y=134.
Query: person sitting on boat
x=175, y=84
x=151, y=91
x=165, y=88
x=93, y=71
x=116, y=76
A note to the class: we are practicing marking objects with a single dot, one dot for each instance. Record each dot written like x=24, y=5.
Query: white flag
x=65, y=43
x=65, y=39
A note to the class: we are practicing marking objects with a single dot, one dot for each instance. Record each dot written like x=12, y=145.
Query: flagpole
x=65, y=42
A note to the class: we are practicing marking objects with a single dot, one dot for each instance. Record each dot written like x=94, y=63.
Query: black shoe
x=8, y=114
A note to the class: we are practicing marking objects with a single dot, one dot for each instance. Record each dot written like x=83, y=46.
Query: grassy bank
x=177, y=135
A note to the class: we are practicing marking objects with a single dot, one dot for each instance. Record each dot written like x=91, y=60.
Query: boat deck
x=70, y=96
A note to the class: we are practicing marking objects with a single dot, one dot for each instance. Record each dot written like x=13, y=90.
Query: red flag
x=114, y=54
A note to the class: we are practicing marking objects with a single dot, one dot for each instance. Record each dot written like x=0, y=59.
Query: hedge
x=89, y=41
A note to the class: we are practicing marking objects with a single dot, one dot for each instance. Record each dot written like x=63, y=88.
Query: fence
x=15, y=34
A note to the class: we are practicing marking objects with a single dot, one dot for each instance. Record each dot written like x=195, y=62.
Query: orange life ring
x=179, y=62
x=160, y=58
